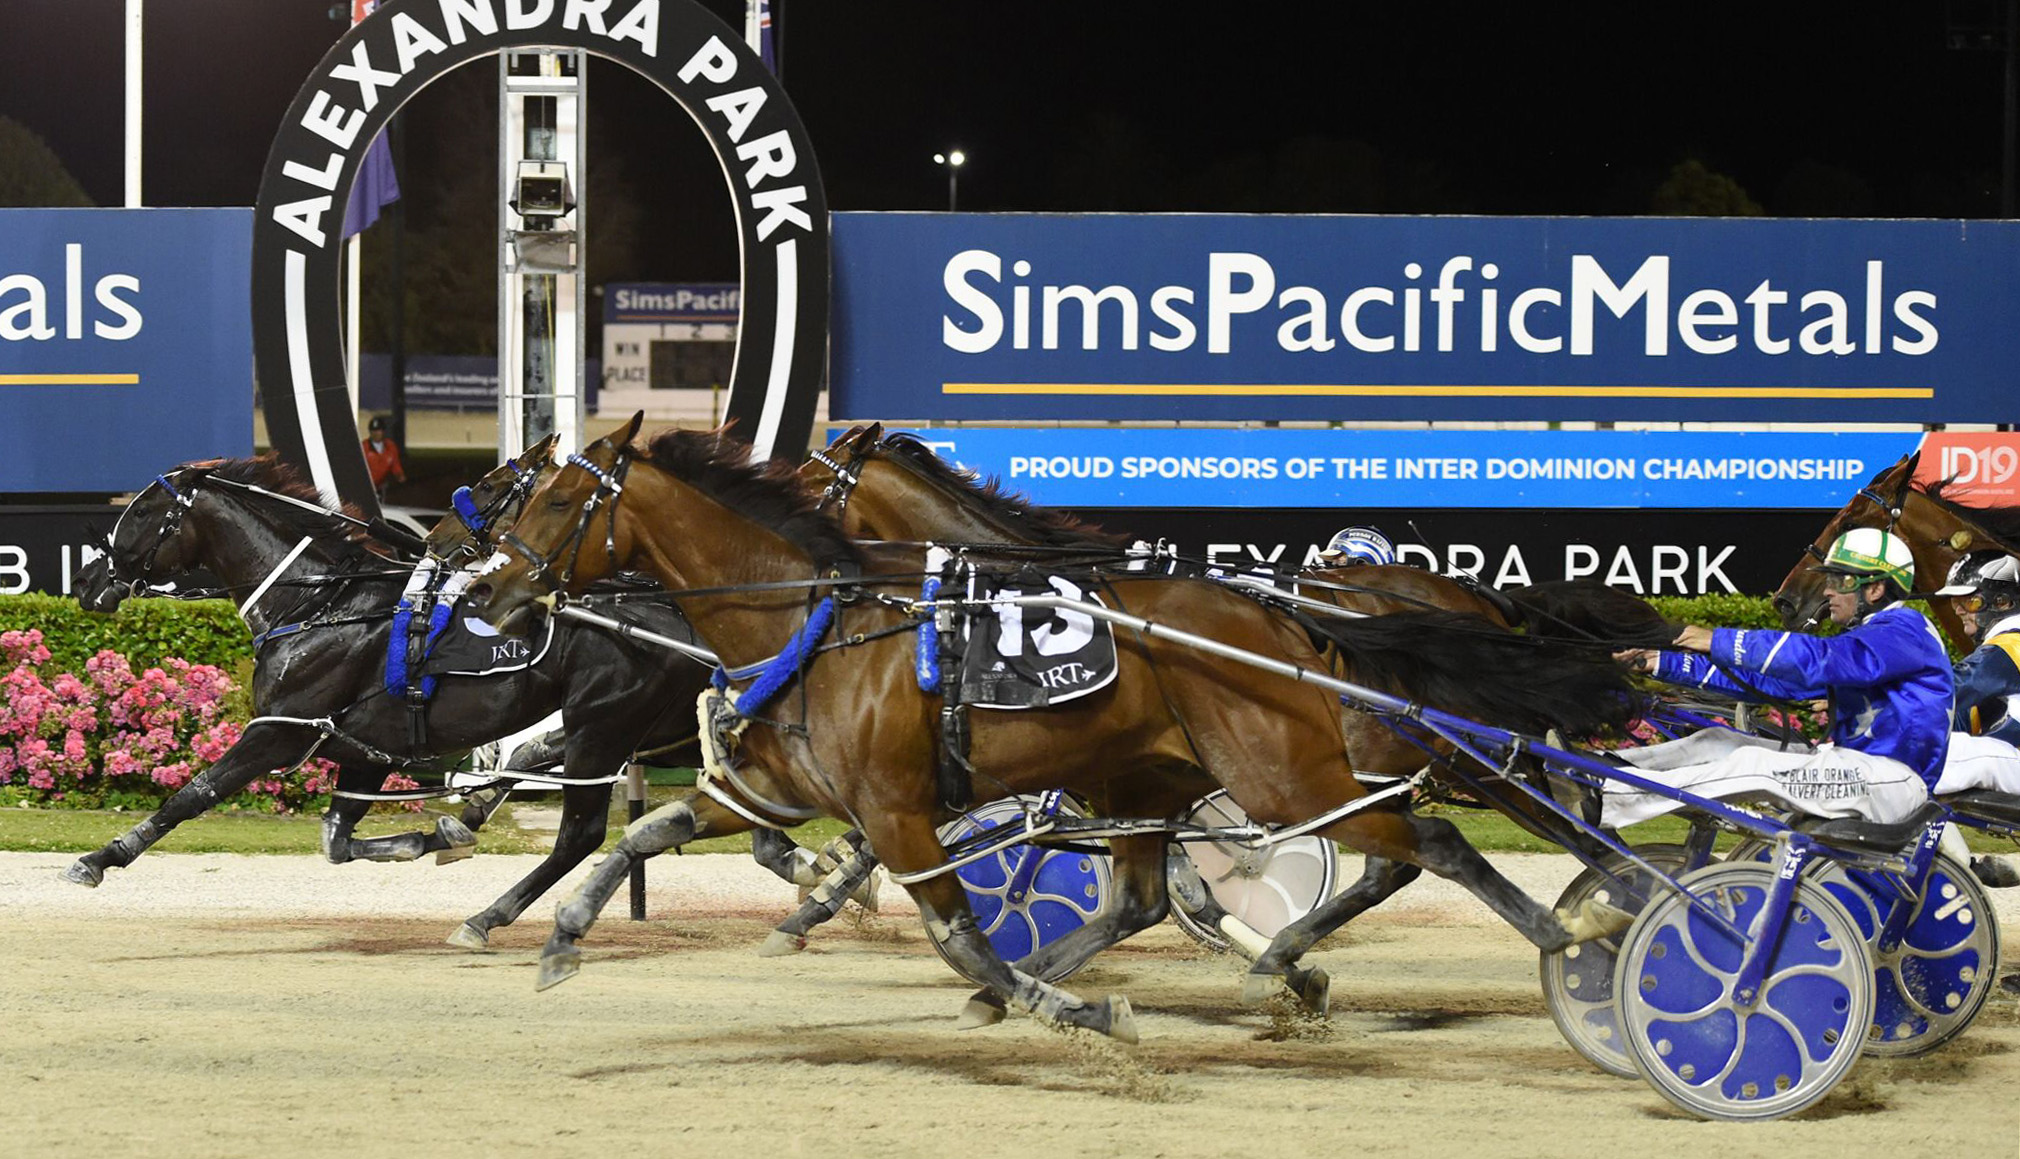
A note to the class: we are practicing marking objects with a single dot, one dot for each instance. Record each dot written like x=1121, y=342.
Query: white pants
x=1980, y=762
x=1727, y=765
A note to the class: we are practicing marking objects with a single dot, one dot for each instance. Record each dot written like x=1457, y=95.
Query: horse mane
x=2002, y=522
x=1043, y=525
x=269, y=473
x=769, y=493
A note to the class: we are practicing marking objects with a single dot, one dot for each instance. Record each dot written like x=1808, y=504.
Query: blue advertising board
x=125, y=344
x=999, y=317
x=1193, y=468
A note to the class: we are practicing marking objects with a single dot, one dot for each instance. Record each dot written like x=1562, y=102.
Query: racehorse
x=896, y=487
x=854, y=738
x=1937, y=530
x=319, y=595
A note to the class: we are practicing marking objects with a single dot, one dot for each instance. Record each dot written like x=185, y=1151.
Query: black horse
x=318, y=591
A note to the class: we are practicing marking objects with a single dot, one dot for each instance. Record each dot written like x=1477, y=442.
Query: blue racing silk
x=1988, y=685
x=1888, y=681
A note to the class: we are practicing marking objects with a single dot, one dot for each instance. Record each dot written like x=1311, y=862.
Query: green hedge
x=1719, y=611
x=145, y=631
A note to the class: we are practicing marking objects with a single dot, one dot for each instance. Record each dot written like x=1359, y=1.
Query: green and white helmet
x=1871, y=551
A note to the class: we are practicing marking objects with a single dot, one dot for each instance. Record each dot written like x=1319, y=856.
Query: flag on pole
x=377, y=186
x=757, y=31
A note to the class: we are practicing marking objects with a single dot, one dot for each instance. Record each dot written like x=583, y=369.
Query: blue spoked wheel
x=1929, y=988
x=1578, y=980
x=1701, y=1048
x=1025, y=897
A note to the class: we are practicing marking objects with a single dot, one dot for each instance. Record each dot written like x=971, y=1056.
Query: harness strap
x=773, y=674
x=245, y=609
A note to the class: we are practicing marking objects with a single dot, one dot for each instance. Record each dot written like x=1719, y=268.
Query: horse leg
x=585, y=818
x=1277, y=963
x=847, y=880
x=345, y=812
x=1436, y=844
x=787, y=859
x=910, y=845
x=479, y=807
x=667, y=827
x=1141, y=902
x=258, y=753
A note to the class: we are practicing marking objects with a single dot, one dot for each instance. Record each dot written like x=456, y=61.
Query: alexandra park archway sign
x=775, y=186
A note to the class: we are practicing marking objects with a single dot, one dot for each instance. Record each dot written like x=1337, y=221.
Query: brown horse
x=1938, y=531
x=896, y=487
x=852, y=736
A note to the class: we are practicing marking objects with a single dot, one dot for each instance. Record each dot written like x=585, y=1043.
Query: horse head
x=543, y=552
x=485, y=508
x=149, y=543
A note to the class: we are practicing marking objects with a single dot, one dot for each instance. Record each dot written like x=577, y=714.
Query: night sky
x=1846, y=109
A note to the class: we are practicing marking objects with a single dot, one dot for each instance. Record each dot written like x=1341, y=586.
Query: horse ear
x=874, y=433
x=622, y=436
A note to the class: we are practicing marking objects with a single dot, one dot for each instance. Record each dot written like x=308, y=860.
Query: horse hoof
x=462, y=842
x=866, y=893
x=1257, y=989
x=1121, y=1020
x=982, y=1010
x=2010, y=983
x=780, y=944
x=558, y=967
x=469, y=937
x=1316, y=992
x=1592, y=919
x=84, y=873
x=1996, y=872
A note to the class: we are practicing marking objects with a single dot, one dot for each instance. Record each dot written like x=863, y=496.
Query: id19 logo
x=1991, y=465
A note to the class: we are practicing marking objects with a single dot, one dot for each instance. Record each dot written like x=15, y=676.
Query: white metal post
x=541, y=287
x=133, y=8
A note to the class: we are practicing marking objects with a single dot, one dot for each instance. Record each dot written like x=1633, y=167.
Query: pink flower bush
x=111, y=731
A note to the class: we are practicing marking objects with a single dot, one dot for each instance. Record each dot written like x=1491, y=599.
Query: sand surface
x=213, y=1006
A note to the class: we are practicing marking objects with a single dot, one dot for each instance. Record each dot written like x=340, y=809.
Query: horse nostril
x=478, y=594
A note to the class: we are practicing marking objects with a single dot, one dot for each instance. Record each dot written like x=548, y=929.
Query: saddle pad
x=1034, y=657
x=471, y=647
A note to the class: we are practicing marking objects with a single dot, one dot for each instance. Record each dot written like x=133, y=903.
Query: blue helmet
x=1353, y=545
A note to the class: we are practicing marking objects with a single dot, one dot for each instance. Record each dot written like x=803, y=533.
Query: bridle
x=847, y=476
x=610, y=485
x=478, y=520
x=171, y=527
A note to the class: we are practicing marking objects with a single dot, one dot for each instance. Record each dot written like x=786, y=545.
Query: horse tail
x=1591, y=612
x=1471, y=667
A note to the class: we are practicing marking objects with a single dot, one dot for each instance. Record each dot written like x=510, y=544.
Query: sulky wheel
x=1266, y=889
x=1027, y=896
x=1578, y=980
x=1931, y=985
x=1701, y=1048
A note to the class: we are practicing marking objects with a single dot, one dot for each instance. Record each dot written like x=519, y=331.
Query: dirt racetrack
x=215, y=1006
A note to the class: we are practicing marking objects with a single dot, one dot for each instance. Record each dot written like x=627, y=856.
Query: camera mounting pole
x=542, y=109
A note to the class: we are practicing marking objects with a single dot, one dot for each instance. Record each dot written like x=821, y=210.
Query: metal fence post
x=634, y=808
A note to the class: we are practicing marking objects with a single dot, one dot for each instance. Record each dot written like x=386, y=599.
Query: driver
x=1353, y=546
x=1986, y=595
x=1887, y=679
